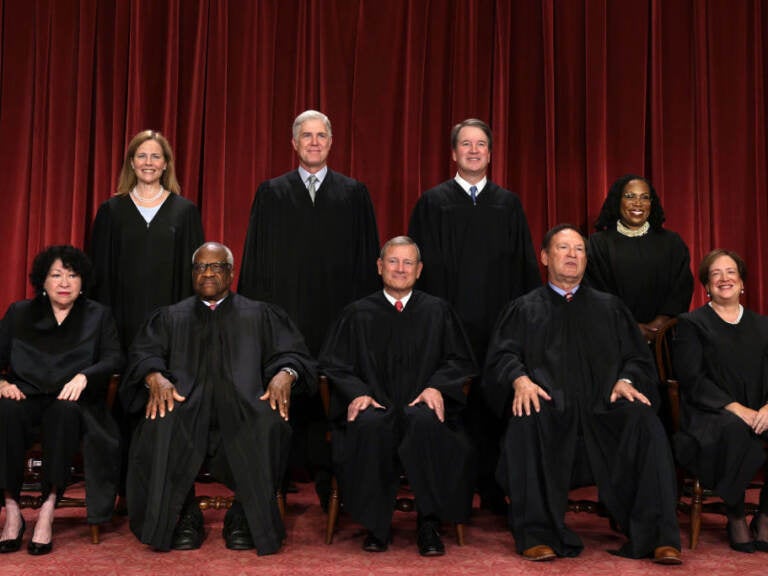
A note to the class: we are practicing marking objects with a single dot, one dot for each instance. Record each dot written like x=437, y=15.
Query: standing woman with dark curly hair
x=57, y=353
x=632, y=256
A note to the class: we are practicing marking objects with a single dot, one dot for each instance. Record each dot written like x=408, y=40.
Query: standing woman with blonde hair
x=142, y=244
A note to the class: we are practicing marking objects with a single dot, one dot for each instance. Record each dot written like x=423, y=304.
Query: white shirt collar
x=404, y=299
x=465, y=185
x=320, y=175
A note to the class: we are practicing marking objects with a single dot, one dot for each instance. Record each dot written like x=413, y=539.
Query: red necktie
x=399, y=306
x=568, y=296
x=212, y=306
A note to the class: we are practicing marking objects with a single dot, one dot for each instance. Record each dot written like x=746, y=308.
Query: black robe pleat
x=219, y=360
x=140, y=267
x=718, y=363
x=393, y=356
x=651, y=273
x=310, y=258
x=577, y=351
x=40, y=356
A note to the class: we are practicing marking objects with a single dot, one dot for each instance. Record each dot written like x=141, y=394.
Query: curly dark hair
x=72, y=258
x=610, y=212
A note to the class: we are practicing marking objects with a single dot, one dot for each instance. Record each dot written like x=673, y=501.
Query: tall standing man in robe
x=398, y=361
x=214, y=376
x=582, y=387
x=478, y=255
x=311, y=247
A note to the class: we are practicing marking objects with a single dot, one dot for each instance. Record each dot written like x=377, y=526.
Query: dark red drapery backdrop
x=577, y=92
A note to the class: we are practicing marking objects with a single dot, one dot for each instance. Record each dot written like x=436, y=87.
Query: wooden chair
x=32, y=478
x=693, y=498
x=403, y=502
x=206, y=502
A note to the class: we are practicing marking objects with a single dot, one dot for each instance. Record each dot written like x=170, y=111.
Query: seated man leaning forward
x=582, y=385
x=398, y=361
x=214, y=375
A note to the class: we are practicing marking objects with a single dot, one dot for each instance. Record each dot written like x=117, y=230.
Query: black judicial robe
x=477, y=257
x=140, y=267
x=650, y=273
x=311, y=259
x=39, y=356
x=577, y=351
x=393, y=356
x=718, y=363
x=219, y=360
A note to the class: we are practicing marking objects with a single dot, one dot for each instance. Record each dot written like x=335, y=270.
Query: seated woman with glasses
x=633, y=257
x=57, y=354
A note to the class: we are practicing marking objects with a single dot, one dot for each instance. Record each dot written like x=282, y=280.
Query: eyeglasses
x=216, y=267
x=642, y=197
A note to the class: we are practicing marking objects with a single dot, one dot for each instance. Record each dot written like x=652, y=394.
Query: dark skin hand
x=278, y=393
x=650, y=329
x=162, y=395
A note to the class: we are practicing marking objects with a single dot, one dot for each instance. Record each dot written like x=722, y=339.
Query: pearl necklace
x=139, y=198
x=632, y=232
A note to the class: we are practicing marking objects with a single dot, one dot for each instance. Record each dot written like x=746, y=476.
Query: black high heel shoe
x=36, y=549
x=747, y=547
x=7, y=546
x=760, y=545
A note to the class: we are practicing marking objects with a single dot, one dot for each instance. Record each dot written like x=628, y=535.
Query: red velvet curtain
x=577, y=93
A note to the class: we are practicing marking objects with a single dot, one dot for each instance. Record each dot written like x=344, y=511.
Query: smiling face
x=565, y=259
x=62, y=285
x=211, y=283
x=148, y=162
x=635, y=208
x=399, y=269
x=312, y=145
x=472, y=153
x=725, y=283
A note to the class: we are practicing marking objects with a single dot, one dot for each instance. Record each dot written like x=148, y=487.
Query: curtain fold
x=577, y=93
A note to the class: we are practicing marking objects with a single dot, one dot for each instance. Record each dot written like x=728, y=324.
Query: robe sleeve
x=599, y=273
x=148, y=353
x=366, y=278
x=524, y=256
x=698, y=387
x=285, y=347
x=678, y=297
x=458, y=365
x=636, y=361
x=102, y=245
x=423, y=229
x=505, y=360
x=338, y=363
x=191, y=237
x=258, y=263
x=110, y=357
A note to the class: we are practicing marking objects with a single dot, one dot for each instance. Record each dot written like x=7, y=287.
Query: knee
x=10, y=409
x=422, y=419
x=369, y=422
x=64, y=412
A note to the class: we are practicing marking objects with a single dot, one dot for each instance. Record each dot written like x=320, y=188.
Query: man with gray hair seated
x=214, y=376
x=398, y=361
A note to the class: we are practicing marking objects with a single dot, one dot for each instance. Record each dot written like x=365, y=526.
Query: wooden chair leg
x=281, y=504
x=460, y=534
x=696, y=500
x=95, y=533
x=333, y=510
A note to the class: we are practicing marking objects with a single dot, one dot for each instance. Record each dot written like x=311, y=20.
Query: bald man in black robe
x=398, y=361
x=214, y=376
x=582, y=387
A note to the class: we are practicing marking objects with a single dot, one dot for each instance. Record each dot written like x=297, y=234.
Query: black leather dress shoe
x=373, y=544
x=188, y=533
x=7, y=546
x=237, y=534
x=36, y=549
x=429, y=541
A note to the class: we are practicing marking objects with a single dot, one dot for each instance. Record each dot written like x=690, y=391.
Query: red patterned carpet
x=489, y=550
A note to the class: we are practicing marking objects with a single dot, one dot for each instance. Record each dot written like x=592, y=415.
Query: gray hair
x=310, y=115
x=216, y=246
x=400, y=241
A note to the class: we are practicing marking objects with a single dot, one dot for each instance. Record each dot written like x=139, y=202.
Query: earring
x=44, y=294
x=709, y=295
x=742, y=290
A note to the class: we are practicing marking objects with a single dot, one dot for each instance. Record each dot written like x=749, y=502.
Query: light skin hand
x=359, y=404
x=278, y=393
x=760, y=423
x=162, y=395
x=8, y=390
x=433, y=398
x=623, y=389
x=527, y=394
x=72, y=389
x=746, y=414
